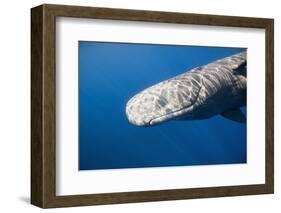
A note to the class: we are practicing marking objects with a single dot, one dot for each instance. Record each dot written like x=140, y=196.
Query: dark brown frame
x=43, y=105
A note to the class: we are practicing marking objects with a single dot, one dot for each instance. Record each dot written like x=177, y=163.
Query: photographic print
x=155, y=105
x=137, y=106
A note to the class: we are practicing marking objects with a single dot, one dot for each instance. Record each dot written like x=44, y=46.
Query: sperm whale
x=203, y=92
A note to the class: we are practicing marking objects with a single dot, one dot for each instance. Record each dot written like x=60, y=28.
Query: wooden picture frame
x=43, y=105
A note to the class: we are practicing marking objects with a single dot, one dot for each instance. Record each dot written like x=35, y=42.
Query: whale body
x=203, y=92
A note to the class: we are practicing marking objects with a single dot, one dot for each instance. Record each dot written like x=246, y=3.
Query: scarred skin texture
x=200, y=93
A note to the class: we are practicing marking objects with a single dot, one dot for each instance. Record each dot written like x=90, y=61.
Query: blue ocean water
x=110, y=74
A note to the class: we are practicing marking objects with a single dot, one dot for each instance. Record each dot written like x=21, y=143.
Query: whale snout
x=142, y=109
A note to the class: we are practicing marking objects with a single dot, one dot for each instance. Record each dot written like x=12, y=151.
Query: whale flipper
x=235, y=115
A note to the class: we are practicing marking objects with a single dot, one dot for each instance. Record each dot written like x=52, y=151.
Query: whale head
x=212, y=89
x=164, y=101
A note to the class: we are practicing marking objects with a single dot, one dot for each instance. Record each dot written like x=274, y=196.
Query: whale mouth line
x=169, y=115
x=162, y=117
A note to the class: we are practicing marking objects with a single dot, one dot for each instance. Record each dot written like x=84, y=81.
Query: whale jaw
x=144, y=120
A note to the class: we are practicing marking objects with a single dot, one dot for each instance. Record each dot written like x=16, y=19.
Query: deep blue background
x=110, y=74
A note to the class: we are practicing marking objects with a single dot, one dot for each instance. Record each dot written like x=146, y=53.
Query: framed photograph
x=135, y=106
